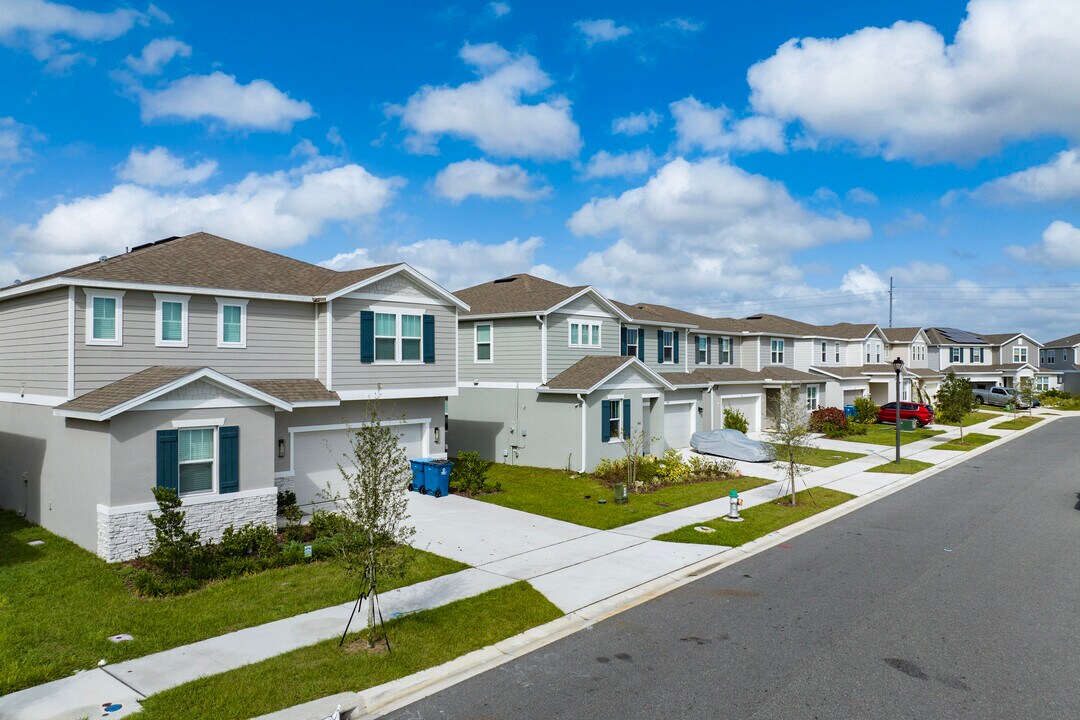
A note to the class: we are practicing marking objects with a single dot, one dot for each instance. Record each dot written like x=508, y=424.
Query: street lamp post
x=898, y=365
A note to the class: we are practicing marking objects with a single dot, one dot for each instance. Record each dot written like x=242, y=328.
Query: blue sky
x=728, y=158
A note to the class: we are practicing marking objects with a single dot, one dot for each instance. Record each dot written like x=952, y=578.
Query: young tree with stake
x=954, y=401
x=791, y=435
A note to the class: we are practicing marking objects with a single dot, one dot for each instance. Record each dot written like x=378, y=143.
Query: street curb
x=383, y=699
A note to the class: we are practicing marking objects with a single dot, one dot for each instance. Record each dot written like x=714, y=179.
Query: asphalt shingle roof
x=521, y=293
x=587, y=372
x=129, y=388
x=901, y=335
x=1067, y=341
x=294, y=391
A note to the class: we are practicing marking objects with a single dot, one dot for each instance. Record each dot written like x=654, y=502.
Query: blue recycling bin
x=849, y=410
x=437, y=477
x=418, y=467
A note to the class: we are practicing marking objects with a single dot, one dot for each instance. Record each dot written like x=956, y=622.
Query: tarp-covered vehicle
x=732, y=444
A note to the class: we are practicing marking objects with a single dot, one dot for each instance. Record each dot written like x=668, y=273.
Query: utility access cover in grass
x=761, y=519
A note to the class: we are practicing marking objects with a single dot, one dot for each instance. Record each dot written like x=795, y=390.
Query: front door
x=772, y=407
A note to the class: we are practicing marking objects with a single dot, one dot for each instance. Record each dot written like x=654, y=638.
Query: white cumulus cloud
x=700, y=126
x=481, y=178
x=1059, y=248
x=1056, y=180
x=635, y=123
x=604, y=164
x=258, y=105
x=160, y=167
x=491, y=112
x=157, y=54
x=47, y=28
x=499, y=9
x=601, y=31
x=904, y=92
x=15, y=141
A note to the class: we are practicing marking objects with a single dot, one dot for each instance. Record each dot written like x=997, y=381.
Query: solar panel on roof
x=960, y=336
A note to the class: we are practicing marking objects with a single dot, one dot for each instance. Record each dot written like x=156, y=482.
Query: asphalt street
x=958, y=597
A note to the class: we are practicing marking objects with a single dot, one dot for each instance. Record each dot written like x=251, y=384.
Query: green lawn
x=555, y=494
x=971, y=440
x=971, y=418
x=760, y=519
x=417, y=641
x=879, y=434
x=1016, y=423
x=820, y=457
x=906, y=466
x=60, y=603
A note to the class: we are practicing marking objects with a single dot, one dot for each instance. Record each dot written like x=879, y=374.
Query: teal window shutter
x=367, y=336
x=229, y=460
x=623, y=351
x=626, y=426
x=659, y=346
x=168, y=462
x=675, y=351
x=429, y=339
x=641, y=344
x=605, y=411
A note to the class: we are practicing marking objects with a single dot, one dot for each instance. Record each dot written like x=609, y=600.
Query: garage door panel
x=678, y=424
x=316, y=456
x=748, y=406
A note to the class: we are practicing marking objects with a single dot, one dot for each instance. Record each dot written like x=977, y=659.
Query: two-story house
x=213, y=368
x=987, y=359
x=1058, y=361
x=911, y=345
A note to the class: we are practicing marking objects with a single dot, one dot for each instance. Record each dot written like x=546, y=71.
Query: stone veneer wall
x=124, y=536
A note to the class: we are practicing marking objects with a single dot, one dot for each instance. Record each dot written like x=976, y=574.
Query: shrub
x=866, y=410
x=250, y=540
x=669, y=469
x=326, y=524
x=174, y=550
x=829, y=420
x=285, y=500
x=735, y=420
x=469, y=474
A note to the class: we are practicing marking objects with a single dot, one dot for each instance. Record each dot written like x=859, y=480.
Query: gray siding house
x=223, y=371
x=1058, y=359
x=988, y=359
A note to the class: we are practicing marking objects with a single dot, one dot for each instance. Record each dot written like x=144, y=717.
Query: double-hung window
x=397, y=337
x=104, y=317
x=702, y=349
x=615, y=420
x=411, y=332
x=976, y=355
x=584, y=334
x=483, y=343
x=777, y=351
x=632, y=342
x=725, y=351
x=956, y=355
x=1020, y=354
x=836, y=352
x=824, y=352
x=1042, y=383
x=874, y=350
x=196, y=455
x=811, y=397
x=669, y=346
x=232, y=323
x=1050, y=356
x=172, y=320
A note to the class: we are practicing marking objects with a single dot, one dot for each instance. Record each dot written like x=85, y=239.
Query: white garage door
x=317, y=454
x=677, y=426
x=850, y=395
x=748, y=406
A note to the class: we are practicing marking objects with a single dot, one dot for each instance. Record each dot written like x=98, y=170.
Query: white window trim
x=221, y=303
x=183, y=301
x=958, y=350
x=617, y=402
x=637, y=341
x=823, y=346
x=730, y=351
x=1016, y=353
x=773, y=352
x=398, y=312
x=118, y=296
x=665, y=347
x=476, y=342
x=584, y=324
x=1050, y=356
x=202, y=425
x=816, y=403
x=701, y=354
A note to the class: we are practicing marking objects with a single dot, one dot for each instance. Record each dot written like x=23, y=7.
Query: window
x=1042, y=357
x=196, y=455
x=1042, y=383
x=918, y=352
x=824, y=351
x=632, y=342
x=482, y=339
x=976, y=355
x=725, y=351
x=385, y=336
x=956, y=355
x=232, y=323
x=811, y=397
x=836, y=352
x=615, y=420
x=104, y=317
x=1050, y=356
x=702, y=349
x=411, y=331
x=390, y=346
x=669, y=346
x=874, y=349
x=777, y=356
x=1020, y=354
x=584, y=334
x=172, y=320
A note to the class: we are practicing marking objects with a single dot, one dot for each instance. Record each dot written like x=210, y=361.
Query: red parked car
x=923, y=415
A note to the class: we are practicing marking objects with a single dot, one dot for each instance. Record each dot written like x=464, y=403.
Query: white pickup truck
x=999, y=396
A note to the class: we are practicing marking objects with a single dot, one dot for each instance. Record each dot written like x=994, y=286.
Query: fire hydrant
x=735, y=502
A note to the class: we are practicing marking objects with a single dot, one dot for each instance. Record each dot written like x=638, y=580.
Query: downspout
x=584, y=429
x=329, y=344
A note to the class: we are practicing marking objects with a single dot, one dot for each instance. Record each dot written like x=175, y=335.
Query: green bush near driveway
x=1016, y=423
x=971, y=441
x=906, y=466
x=760, y=519
x=418, y=641
x=556, y=494
x=886, y=435
x=60, y=603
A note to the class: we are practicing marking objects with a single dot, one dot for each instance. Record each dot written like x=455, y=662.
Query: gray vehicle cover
x=732, y=444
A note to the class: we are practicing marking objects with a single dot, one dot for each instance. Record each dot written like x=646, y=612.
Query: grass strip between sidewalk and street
x=417, y=642
x=823, y=457
x=59, y=604
x=1018, y=423
x=880, y=434
x=906, y=466
x=971, y=441
x=563, y=496
x=761, y=519
x=972, y=418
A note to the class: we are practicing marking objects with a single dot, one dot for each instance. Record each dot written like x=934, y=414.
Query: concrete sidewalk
x=575, y=567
